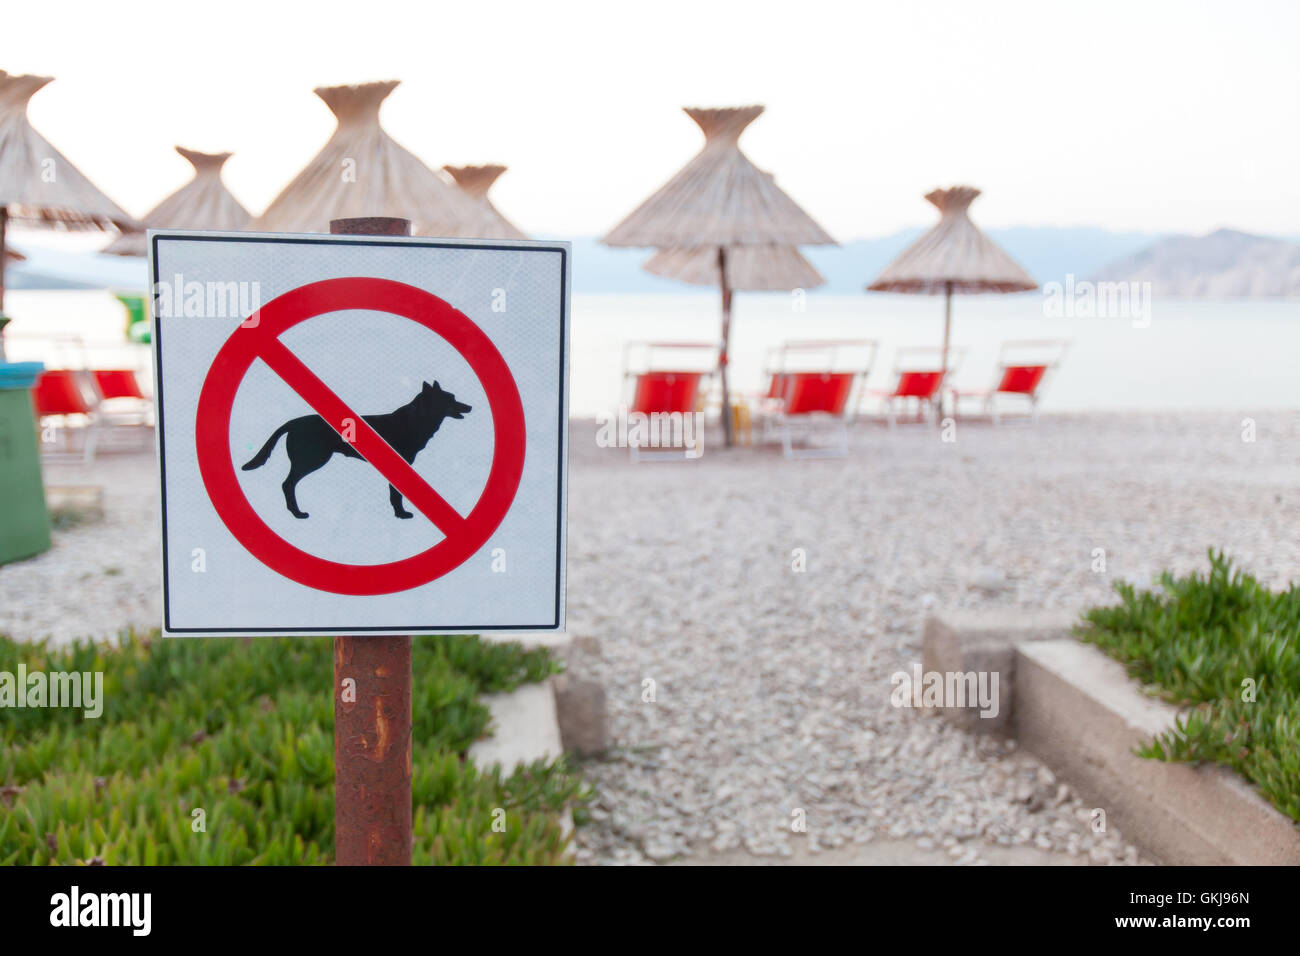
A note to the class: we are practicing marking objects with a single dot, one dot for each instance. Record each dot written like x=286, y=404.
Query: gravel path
x=770, y=686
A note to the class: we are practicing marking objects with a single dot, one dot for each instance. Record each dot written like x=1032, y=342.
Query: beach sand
x=771, y=686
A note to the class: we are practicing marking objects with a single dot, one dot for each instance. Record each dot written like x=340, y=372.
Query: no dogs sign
x=360, y=434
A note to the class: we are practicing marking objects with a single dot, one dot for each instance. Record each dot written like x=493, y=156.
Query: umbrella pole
x=947, y=329
x=4, y=223
x=726, y=339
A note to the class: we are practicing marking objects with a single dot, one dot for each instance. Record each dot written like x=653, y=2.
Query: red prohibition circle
x=258, y=337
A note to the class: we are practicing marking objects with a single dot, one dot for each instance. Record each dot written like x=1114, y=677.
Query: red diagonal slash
x=366, y=440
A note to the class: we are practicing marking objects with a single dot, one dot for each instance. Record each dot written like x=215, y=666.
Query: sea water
x=1238, y=355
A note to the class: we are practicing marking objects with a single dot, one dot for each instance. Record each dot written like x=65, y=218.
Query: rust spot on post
x=382, y=731
x=372, y=754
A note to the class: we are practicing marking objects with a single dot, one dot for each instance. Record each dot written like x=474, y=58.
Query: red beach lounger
x=1023, y=369
x=60, y=394
x=664, y=391
x=118, y=383
x=123, y=403
x=918, y=381
x=814, y=389
x=667, y=383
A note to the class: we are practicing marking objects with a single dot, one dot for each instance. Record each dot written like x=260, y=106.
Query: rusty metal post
x=372, y=714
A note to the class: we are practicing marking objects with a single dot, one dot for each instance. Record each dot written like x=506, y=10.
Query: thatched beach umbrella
x=954, y=256
x=719, y=203
x=362, y=171
x=37, y=183
x=202, y=203
x=475, y=181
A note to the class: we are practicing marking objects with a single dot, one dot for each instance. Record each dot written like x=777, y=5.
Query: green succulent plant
x=242, y=730
x=1228, y=649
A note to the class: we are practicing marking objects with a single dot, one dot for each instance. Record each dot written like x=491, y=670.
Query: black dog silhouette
x=312, y=442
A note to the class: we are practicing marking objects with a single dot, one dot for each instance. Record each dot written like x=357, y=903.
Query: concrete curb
x=525, y=729
x=543, y=721
x=1079, y=712
x=579, y=704
x=965, y=641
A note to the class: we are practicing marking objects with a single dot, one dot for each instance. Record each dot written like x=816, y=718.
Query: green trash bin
x=24, y=520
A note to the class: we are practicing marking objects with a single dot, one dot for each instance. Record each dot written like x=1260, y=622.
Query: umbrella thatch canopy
x=37, y=183
x=954, y=256
x=719, y=198
x=718, y=204
x=476, y=181
x=362, y=171
x=749, y=268
x=202, y=203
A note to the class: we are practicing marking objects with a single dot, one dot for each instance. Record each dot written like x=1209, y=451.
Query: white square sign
x=360, y=434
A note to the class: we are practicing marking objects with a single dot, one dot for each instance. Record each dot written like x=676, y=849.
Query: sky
x=1137, y=116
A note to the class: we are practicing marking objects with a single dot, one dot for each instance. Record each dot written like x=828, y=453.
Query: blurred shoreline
x=1194, y=355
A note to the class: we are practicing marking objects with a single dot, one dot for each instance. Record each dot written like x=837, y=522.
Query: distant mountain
x=1225, y=264
x=1047, y=252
